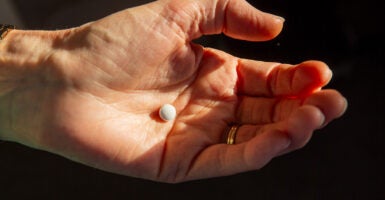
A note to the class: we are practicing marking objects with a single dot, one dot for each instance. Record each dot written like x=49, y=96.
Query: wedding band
x=232, y=134
x=4, y=30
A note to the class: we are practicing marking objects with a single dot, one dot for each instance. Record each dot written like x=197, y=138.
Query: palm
x=203, y=92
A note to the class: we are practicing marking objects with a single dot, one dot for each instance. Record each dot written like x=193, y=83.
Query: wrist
x=23, y=56
x=22, y=49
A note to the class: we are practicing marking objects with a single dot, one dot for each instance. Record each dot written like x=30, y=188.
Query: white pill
x=167, y=112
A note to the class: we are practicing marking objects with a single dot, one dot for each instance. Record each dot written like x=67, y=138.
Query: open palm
x=117, y=72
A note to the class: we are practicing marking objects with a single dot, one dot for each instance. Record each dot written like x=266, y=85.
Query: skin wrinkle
x=165, y=18
x=73, y=76
x=270, y=80
x=194, y=29
x=178, y=11
x=192, y=74
x=181, y=169
x=249, y=160
x=200, y=152
x=51, y=75
x=240, y=83
x=198, y=29
x=195, y=25
x=277, y=112
x=244, y=155
x=237, y=82
x=112, y=61
x=180, y=40
x=280, y=76
x=292, y=80
x=126, y=62
x=178, y=170
x=162, y=163
x=238, y=113
x=194, y=160
x=223, y=156
x=115, y=63
x=253, y=114
x=273, y=116
x=223, y=23
x=186, y=94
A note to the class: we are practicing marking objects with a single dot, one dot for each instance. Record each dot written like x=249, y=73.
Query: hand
x=95, y=96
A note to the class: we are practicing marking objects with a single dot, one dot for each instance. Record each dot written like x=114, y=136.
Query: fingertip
x=339, y=104
x=302, y=123
x=243, y=21
x=332, y=103
x=344, y=104
x=323, y=70
x=274, y=26
x=311, y=76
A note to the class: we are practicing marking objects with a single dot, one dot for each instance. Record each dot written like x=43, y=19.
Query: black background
x=345, y=160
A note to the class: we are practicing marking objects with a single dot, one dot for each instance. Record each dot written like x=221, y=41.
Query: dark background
x=345, y=160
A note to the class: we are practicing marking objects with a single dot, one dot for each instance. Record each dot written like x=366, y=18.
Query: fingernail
x=279, y=18
x=345, y=106
x=322, y=122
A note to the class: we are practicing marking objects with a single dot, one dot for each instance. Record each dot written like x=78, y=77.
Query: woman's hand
x=94, y=95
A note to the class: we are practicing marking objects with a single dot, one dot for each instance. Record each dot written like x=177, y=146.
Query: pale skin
x=92, y=93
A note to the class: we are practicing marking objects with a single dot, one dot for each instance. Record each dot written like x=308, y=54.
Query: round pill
x=167, y=112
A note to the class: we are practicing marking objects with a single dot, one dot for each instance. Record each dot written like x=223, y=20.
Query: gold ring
x=232, y=134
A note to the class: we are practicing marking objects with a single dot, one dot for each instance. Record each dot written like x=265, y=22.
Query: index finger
x=257, y=78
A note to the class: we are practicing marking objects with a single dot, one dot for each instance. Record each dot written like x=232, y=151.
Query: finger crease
x=273, y=112
x=224, y=20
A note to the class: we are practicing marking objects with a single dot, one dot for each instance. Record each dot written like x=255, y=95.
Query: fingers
x=298, y=126
x=223, y=159
x=256, y=145
x=268, y=142
x=273, y=79
x=260, y=111
x=330, y=102
x=301, y=124
x=235, y=18
x=298, y=120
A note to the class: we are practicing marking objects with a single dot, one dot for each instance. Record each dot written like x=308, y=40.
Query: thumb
x=238, y=19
